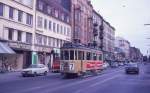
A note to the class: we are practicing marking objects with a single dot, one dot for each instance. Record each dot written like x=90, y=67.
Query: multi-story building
x=34, y=29
x=98, y=29
x=124, y=45
x=17, y=29
x=104, y=35
x=53, y=28
x=135, y=54
x=82, y=26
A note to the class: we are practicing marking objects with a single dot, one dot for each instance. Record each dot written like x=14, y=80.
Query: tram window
x=83, y=57
x=75, y=55
x=79, y=55
x=100, y=57
x=88, y=56
x=71, y=55
x=94, y=56
x=66, y=55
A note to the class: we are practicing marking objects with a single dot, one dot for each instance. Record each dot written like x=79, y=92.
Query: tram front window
x=100, y=57
x=71, y=55
x=94, y=56
x=88, y=56
x=66, y=55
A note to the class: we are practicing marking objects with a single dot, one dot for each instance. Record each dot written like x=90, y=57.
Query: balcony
x=101, y=27
x=95, y=24
x=95, y=32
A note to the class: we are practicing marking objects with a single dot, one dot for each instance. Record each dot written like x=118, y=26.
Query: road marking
x=67, y=85
x=98, y=83
x=106, y=80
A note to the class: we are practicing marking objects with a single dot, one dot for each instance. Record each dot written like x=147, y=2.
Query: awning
x=5, y=49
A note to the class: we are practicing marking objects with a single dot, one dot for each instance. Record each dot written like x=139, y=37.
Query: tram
x=79, y=60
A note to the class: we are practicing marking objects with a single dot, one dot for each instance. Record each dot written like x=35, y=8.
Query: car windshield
x=33, y=66
x=132, y=65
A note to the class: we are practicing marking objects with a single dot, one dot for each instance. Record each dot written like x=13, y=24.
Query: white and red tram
x=79, y=60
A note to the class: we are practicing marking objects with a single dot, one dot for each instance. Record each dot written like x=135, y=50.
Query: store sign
x=19, y=45
x=42, y=49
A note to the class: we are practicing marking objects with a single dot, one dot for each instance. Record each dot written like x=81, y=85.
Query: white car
x=35, y=69
x=105, y=65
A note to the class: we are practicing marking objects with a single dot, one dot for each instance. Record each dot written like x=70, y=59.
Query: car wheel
x=45, y=73
x=35, y=74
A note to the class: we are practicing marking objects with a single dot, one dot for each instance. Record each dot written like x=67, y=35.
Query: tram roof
x=78, y=46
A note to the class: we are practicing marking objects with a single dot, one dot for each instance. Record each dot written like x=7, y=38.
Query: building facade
x=34, y=29
x=135, y=54
x=124, y=45
x=82, y=24
x=104, y=35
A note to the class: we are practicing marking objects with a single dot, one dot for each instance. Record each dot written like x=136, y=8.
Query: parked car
x=35, y=69
x=132, y=68
x=120, y=64
x=105, y=65
x=114, y=64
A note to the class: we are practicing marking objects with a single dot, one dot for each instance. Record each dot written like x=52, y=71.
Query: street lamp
x=146, y=24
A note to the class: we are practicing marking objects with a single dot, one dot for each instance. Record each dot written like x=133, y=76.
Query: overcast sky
x=128, y=17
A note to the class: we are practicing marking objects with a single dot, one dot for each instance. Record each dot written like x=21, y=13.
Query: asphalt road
x=109, y=81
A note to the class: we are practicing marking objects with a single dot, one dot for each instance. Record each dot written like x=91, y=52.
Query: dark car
x=132, y=68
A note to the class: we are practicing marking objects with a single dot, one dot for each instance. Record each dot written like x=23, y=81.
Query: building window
x=57, y=28
x=64, y=30
x=56, y=13
x=40, y=22
x=49, y=10
x=57, y=42
x=41, y=5
x=53, y=42
x=62, y=16
x=50, y=25
x=19, y=36
x=49, y=41
x=45, y=24
x=29, y=19
x=39, y=39
x=1, y=9
x=20, y=14
x=68, y=32
x=28, y=38
x=61, y=29
x=10, y=33
x=11, y=12
x=44, y=40
x=54, y=27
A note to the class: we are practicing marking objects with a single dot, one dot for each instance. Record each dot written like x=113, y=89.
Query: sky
x=128, y=17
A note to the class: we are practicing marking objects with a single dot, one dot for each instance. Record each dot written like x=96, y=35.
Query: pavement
x=112, y=80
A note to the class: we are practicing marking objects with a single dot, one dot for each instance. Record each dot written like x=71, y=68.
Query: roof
x=78, y=46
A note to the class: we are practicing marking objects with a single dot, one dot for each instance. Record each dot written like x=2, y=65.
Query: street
x=112, y=80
